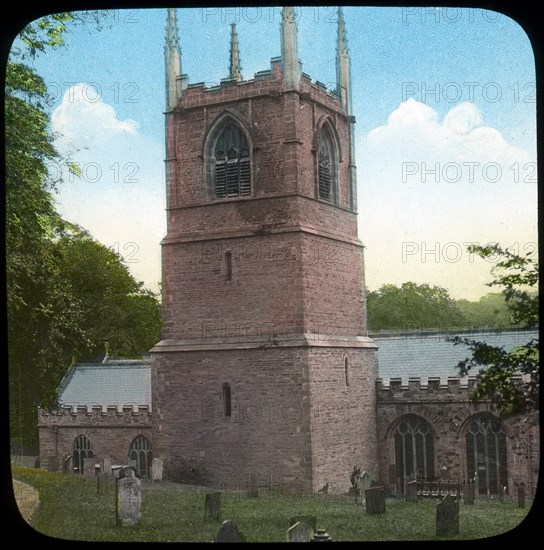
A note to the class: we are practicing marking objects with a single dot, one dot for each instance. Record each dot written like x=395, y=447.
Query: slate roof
x=427, y=354
x=117, y=382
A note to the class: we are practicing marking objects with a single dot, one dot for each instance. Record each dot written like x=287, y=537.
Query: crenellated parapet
x=122, y=414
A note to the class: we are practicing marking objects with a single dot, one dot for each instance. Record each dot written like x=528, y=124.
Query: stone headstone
x=130, y=499
x=521, y=496
x=229, y=532
x=252, y=489
x=411, y=491
x=52, y=463
x=375, y=500
x=156, y=469
x=300, y=532
x=104, y=485
x=212, y=506
x=88, y=467
x=447, y=516
x=502, y=493
x=106, y=465
x=363, y=484
x=308, y=520
x=468, y=494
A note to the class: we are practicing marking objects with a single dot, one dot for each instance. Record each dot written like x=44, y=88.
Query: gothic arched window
x=486, y=453
x=414, y=449
x=140, y=451
x=232, y=170
x=81, y=449
x=327, y=164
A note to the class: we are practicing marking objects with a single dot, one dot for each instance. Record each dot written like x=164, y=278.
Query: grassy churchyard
x=70, y=508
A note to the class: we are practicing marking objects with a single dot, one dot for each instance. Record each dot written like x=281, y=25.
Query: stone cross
x=299, y=532
x=447, y=517
x=212, y=506
x=375, y=500
x=129, y=499
x=229, y=532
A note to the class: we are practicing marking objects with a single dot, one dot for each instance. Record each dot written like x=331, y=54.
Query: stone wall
x=111, y=430
x=448, y=409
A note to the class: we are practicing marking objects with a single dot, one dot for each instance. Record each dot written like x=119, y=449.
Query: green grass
x=71, y=509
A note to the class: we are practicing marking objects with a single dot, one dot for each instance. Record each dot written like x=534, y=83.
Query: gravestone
x=502, y=493
x=252, y=489
x=447, y=517
x=104, y=483
x=468, y=494
x=363, y=484
x=106, y=465
x=308, y=520
x=212, y=506
x=321, y=535
x=411, y=491
x=133, y=463
x=129, y=499
x=229, y=532
x=521, y=495
x=300, y=532
x=88, y=467
x=375, y=500
x=156, y=469
x=52, y=463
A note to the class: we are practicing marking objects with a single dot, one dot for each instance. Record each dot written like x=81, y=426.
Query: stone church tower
x=264, y=369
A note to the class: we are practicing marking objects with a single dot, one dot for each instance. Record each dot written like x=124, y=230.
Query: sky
x=445, y=138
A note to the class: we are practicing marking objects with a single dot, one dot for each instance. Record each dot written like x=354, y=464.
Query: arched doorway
x=140, y=451
x=486, y=453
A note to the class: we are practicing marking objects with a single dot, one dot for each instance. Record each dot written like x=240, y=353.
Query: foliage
x=518, y=275
x=67, y=295
x=71, y=509
x=490, y=311
x=412, y=307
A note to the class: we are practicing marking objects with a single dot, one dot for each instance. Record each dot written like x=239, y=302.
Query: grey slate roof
x=121, y=382
x=426, y=354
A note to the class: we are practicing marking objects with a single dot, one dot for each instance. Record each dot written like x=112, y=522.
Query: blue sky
x=445, y=135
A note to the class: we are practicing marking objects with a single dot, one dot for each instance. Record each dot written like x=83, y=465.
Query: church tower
x=264, y=370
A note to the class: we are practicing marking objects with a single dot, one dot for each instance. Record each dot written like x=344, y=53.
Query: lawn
x=71, y=509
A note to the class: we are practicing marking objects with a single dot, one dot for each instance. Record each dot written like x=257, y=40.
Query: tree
x=412, y=306
x=67, y=295
x=498, y=378
x=490, y=311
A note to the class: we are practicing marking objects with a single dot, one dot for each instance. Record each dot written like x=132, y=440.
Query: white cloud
x=429, y=187
x=414, y=130
x=82, y=118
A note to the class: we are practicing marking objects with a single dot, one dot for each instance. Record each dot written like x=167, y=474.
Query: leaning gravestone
x=447, y=517
x=156, y=469
x=229, y=532
x=300, y=532
x=130, y=499
x=411, y=491
x=308, y=520
x=375, y=500
x=212, y=506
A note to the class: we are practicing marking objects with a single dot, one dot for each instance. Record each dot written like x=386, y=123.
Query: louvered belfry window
x=232, y=166
x=326, y=166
